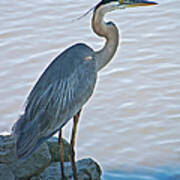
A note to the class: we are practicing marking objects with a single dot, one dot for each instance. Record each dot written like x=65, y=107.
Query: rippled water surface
x=133, y=118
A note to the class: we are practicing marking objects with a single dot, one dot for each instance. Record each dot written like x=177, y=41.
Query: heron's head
x=122, y=4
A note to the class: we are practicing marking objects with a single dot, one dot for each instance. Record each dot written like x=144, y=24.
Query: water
x=132, y=121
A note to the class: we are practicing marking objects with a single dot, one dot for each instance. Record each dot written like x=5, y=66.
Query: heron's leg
x=72, y=156
x=60, y=141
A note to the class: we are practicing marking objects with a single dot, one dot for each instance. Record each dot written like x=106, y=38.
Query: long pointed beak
x=136, y=3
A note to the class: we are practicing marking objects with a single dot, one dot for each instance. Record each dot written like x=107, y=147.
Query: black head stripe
x=105, y=2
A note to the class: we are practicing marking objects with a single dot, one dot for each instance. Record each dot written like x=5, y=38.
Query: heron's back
x=62, y=90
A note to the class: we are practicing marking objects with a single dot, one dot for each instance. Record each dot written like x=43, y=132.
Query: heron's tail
x=26, y=138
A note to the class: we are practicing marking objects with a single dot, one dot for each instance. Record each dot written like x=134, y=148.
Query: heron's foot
x=63, y=177
x=72, y=153
x=60, y=141
x=62, y=173
x=73, y=164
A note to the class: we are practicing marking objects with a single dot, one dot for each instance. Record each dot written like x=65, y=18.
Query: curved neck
x=110, y=32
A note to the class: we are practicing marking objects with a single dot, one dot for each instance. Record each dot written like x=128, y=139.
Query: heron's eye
x=121, y=1
x=124, y=1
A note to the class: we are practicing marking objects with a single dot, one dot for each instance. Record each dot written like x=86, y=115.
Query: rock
x=87, y=169
x=23, y=169
x=54, y=149
x=35, y=178
x=33, y=165
x=5, y=173
x=42, y=164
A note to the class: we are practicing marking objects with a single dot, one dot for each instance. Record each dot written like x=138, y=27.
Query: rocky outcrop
x=54, y=149
x=22, y=169
x=43, y=164
x=87, y=169
x=6, y=173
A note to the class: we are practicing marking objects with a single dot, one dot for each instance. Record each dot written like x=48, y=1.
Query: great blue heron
x=67, y=84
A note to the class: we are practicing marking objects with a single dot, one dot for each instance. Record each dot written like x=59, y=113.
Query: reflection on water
x=162, y=173
x=133, y=117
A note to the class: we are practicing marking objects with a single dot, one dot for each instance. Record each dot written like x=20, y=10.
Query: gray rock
x=54, y=149
x=33, y=165
x=5, y=173
x=42, y=165
x=87, y=169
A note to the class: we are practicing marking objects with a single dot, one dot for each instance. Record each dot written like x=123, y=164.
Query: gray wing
x=60, y=93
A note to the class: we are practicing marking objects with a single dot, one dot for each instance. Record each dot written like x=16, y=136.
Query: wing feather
x=59, y=94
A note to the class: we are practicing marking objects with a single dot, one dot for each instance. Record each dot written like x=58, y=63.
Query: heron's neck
x=110, y=33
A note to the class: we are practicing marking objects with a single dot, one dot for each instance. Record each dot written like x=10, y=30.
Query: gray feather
x=59, y=94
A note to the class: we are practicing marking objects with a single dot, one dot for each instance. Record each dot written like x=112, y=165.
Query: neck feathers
x=107, y=30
